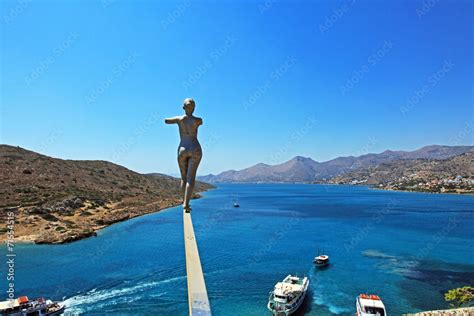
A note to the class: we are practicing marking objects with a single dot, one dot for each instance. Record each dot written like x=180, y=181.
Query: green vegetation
x=49, y=217
x=462, y=296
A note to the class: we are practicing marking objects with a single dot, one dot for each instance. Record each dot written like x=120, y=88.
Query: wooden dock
x=197, y=293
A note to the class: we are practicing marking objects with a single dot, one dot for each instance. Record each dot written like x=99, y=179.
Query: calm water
x=408, y=248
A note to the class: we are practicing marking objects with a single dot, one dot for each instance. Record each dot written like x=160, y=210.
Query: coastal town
x=453, y=175
x=415, y=182
x=418, y=183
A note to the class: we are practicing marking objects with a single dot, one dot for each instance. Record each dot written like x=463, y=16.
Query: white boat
x=370, y=305
x=321, y=260
x=22, y=306
x=288, y=295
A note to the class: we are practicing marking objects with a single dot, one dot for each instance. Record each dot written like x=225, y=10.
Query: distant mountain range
x=304, y=170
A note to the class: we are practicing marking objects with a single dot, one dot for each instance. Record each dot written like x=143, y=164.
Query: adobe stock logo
x=431, y=82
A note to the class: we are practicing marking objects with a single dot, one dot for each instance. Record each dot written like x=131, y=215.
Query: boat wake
x=325, y=294
x=111, y=296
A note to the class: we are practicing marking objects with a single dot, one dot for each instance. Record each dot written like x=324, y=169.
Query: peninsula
x=59, y=201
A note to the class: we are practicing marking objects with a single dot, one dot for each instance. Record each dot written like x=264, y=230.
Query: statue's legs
x=188, y=163
x=193, y=164
x=183, y=168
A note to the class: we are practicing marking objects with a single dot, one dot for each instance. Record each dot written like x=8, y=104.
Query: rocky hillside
x=455, y=174
x=59, y=200
x=463, y=311
x=301, y=169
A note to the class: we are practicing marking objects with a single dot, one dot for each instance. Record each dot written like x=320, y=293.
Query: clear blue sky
x=273, y=79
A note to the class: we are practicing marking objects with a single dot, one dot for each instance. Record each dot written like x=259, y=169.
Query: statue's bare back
x=189, y=150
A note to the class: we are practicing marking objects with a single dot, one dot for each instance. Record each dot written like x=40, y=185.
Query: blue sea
x=408, y=248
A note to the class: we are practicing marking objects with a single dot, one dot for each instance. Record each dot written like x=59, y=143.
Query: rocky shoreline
x=44, y=225
x=466, y=311
x=458, y=192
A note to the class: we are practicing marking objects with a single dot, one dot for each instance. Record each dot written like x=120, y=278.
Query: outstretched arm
x=172, y=120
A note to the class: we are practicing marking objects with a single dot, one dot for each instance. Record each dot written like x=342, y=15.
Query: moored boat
x=22, y=306
x=288, y=295
x=369, y=305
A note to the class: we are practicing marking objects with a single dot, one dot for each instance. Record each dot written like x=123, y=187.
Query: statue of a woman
x=189, y=150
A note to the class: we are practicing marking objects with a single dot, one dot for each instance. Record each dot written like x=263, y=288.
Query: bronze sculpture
x=189, y=150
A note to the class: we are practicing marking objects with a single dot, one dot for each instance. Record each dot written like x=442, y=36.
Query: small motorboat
x=288, y=295
x=321, y=260
x=235, y=198
x=23, y=306
x=369, y=305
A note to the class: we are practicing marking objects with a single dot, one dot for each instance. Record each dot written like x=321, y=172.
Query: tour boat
x=22, y=306
x=288, y=295
x=369, y=305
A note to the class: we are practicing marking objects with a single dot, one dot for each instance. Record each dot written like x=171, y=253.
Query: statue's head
x=188, y=106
